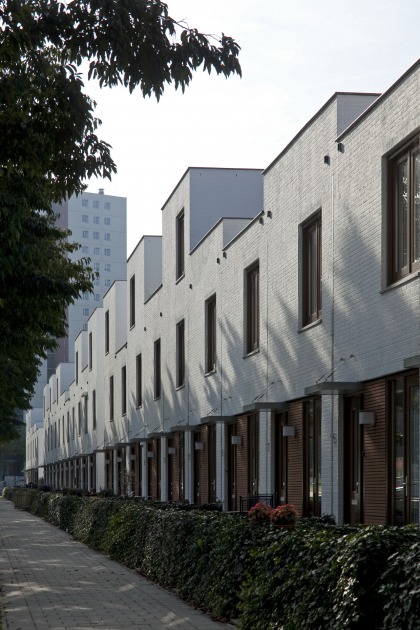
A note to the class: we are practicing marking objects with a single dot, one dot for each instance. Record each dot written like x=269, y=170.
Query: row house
x=268, y=344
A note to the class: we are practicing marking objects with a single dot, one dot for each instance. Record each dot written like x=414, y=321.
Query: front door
x=405, y=410
x=353, y=484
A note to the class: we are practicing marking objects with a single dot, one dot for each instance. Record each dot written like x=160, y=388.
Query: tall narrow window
x=111, y=398
x=210, y=334
x=253, y=454
x=79, y=417
x=139, y=384
x=123, y=390
x=77, y=368
x=73, y=423
x=85, y=415
x=90, y=351
x=94, y=409
x=252, y=306
x=106, y=332
x=311, y=270
x=157, y=368
x=180, y=245
x=132, y=301
x=313, y=487
x=180, y=353
x=404, y=212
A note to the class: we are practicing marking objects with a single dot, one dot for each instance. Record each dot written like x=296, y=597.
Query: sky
x=294, y=56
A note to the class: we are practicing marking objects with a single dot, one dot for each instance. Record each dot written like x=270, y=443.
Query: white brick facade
x=368, y=330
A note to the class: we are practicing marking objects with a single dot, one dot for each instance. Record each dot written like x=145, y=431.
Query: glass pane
x=399, y=452
x=402, y=216
x=414, y=404
x=311, y=462
x=416, y=218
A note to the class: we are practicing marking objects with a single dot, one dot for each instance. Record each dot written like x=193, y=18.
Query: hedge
x=318, y=575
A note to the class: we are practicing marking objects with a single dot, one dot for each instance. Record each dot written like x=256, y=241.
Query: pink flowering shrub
x=283, y=514
x=259, y=513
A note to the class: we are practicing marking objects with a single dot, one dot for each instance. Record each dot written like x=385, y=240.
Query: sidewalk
x=49, y=581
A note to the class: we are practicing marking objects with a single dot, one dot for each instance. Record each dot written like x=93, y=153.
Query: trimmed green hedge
x=316, y=576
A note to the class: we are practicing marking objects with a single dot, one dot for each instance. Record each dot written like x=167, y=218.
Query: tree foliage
x=50, y=148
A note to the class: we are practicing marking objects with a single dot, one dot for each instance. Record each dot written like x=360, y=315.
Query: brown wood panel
x=375, y=455
x=295, y=457
x=242, y=459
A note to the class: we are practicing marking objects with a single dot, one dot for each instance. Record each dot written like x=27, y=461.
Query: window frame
x=180, y=245
x=157, y=354
x=124, y=390
x=252, y=308
x=139, y=381
x=106, y=332
x=133, y=301
x=180, y=353
x=311, y=278
x=405, y=154
x=111, y=398
x=210, y=334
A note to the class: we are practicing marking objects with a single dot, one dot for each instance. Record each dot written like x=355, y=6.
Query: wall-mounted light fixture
x=289, y=431
x=199, y=446
x=171, y=450
x=367, y=418
x=340, y=147
x=326, y=159
x=236, y=440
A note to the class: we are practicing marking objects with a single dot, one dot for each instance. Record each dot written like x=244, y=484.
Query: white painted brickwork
x=365, y=331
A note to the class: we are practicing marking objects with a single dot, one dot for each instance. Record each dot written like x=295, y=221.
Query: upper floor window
x=107, y=252
x=180, y=245
x=96, y=251
x=90, y=351
x=138, y=381
x=404, y=211
x=107, y=236
x=85, y=218
x=107, y=266
x=85, y=249
x=96, y=204
x=106, y=332
x=96, y=236
x=252, y=308
x=123, y=390
x=111, y=398
x=107, y=221
x=132, y=301
x=107, y=205
x=85, y=203
x=180, y=353
x=157, y=369
x=311, y=270
x=85, y=234
x=96, y=220
x=210, y=316
x=94, y=409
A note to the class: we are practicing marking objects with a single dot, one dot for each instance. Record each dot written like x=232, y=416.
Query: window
x=79, y=417
x=90, y=351
x=107, y=221
x=180, y=353
x=132, y=301
x=138, y=381
x=123, y=390
x=73, y=423
x=107, y=205
x=404, y=212
x=107, y=252
x=312, y=462
x=94, y=409
x=311, y=270
x=96, y=220
x=68, y=427
x=106, y=332
x=157, y=375
x=107, y=282
x=96, y=204
x=210, y=316
x=107, y=236
x=85, y=249
x=252, y=305
x=111, y=398
x=85, y=203
x=97, y=297
x=85, y=414
x=96, y=251
x=85, y=233
x=253, y=454
x=77, y=368
x=107, y=266
x=180, y=246
x=96, y=236
x=85, y=218
x=97, y=282
x=85, y=296
x=85, y=327
x=96, y=266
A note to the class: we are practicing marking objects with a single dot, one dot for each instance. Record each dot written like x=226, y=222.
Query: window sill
x=250, y=354
x=132, y=326
x=181, y=277
x=210, y=372
x=178, y=387
x=157, y=398
x=309, y=326
x=139, y=406
x=398, y=283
